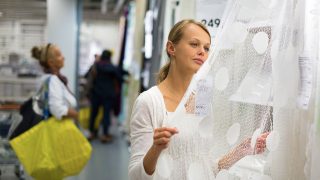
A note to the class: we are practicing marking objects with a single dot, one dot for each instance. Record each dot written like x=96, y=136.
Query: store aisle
x=108, y=161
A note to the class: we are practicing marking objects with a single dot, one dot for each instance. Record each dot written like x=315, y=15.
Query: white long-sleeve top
x=187, y=149
x=60, y=98
x=148, y=113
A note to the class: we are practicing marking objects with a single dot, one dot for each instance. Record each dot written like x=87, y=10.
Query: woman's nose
x=201, y=51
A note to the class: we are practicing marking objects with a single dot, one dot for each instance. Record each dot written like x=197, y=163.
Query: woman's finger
x=261, y=146
x=163, y=134
x=264, y=135
x=161, y=141
x=172, y=130
x=261, y=140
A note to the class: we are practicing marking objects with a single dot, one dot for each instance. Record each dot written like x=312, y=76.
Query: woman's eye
x=194, y=44
x=207, y=49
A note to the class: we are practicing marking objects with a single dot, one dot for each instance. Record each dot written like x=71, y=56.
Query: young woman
x=62, y=102
x=187, y=48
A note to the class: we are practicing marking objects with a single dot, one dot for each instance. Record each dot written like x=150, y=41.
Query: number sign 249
x=211, y=22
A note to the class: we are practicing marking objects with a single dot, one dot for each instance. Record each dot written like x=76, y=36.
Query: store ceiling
x=36, y=9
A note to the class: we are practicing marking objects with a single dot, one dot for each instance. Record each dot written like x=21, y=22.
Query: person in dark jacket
x=106, y=83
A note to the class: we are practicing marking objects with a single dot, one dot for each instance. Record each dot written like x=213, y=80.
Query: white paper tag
x=203, y=96
x=305, y=66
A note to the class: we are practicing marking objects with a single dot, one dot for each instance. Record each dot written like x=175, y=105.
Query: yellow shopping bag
x=53, y=149
x=84, y=117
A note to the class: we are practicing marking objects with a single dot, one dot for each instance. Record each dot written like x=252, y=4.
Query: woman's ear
x=170, y=48
x=50, y=62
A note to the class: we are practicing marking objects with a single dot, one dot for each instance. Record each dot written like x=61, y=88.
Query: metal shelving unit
x=14, y=89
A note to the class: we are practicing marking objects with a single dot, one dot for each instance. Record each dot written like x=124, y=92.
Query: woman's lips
x=198, y=61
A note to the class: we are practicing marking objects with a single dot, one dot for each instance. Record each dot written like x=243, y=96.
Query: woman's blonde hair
x=175, y=36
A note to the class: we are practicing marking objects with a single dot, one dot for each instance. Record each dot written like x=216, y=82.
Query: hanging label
x=305, y=67
x=203, y=92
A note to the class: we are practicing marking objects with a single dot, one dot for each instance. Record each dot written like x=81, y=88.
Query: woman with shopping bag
x=62, y=102
x=61, y=148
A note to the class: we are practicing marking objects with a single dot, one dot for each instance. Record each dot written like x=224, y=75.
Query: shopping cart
x=9, y=118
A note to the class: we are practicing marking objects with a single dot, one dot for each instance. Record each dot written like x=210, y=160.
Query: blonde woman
x=187, y=47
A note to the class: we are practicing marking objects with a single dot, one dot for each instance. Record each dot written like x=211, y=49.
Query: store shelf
x=17, y=90
x=13, y=99
x=25, y=80
x=8, y=107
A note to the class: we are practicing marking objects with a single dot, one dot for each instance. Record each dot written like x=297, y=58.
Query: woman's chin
x=195, y=70
x=197, y=66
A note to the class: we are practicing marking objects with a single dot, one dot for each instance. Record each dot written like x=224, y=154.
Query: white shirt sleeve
x=141, y=137
x=57, y=105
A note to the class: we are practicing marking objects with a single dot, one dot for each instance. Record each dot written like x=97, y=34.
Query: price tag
x=203, y=96
x=306, y=71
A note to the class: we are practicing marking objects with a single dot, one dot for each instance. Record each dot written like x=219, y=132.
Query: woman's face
x=193, y=48
x=57, y=58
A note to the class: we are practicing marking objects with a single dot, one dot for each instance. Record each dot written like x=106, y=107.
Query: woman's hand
x=72, y=113
x=161, y=137
x=242, y=150
x=245, y=148
x=261, y=143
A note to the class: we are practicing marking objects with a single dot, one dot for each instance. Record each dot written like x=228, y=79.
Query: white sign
x=209, y=12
